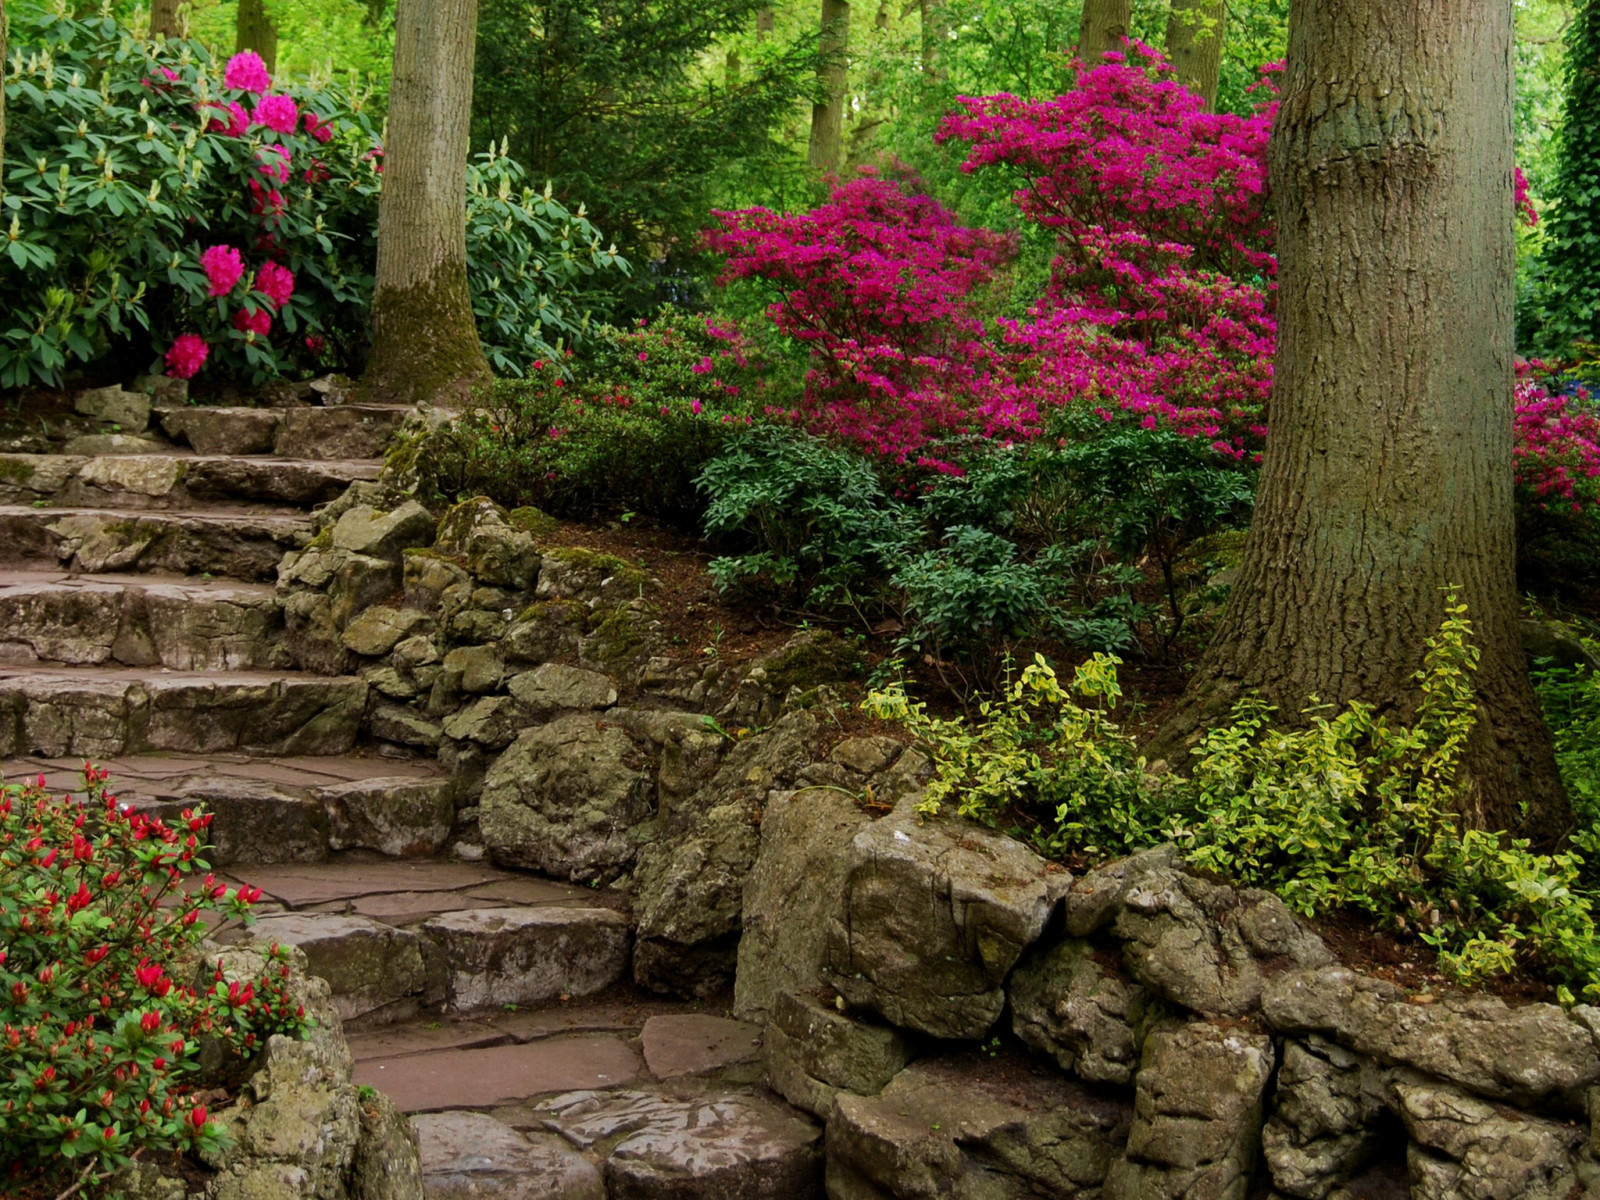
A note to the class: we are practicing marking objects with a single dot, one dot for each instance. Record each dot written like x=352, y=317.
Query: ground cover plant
x=1349, y=810
x=105, y=1001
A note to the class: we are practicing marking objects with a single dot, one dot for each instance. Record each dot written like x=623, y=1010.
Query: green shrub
x=1344, y=811
x=629, y=429
x=102, y=1011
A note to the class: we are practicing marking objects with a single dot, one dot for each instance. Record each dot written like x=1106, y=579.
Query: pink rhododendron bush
x=1158, y=309
x=166, y=211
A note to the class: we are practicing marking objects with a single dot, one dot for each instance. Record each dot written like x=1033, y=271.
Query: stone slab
x=501, y=1074
x=697, y=1044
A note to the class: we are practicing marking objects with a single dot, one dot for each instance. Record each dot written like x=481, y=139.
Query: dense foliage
x=1347, y=811
x=162, y=205
x=606, y=99
x=104, y=1001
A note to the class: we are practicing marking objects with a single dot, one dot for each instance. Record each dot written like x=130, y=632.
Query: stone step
x=290, y=809
x=348, y=431
x=101, y=712
x=181, y=623
x=237, y=543
x=395, y=937
x=174, y=480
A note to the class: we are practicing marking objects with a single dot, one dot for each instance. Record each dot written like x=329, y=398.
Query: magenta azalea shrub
x=104, y=999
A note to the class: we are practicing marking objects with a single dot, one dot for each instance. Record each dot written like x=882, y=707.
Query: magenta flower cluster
x=1159, y=305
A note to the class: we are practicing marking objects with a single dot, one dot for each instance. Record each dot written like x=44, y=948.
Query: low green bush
x=627, y=428
x=102, y=1005
x=1345, y=811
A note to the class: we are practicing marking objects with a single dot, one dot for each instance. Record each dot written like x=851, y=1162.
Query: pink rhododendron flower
x=187, y=355
x=234, y=121
x=258, y=322
x=224, y=267
x=246, y=72
x=279, y=113
x=318, y=127
x=267, y=202
x=275, y=282
x=315, y=343
x=273, y=162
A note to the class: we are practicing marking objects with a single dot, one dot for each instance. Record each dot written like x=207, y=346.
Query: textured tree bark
x=1388, y=473
x=766, y=22
x=166, y=20
x=1194, y=44
x=1103, y=26
x=424, y=340
x=827, y=115
x=935, y=29
x=254, y=30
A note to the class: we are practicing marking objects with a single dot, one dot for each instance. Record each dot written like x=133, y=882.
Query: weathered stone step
x=347, y=431
x=230, y=542
x=135, y=621
x=174, y=480
x=99, y=712
x=393, y=937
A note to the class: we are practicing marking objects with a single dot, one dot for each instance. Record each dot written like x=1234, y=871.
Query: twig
x=82, y=1179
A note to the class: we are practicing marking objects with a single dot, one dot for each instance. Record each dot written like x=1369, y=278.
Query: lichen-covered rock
x=375, y=631
x=546, y=630
x=1325, y=1123
x=472, y=669
x=813, y=1052
x=575, y=573
x=491, y=721
x=1465, y=1149
x=554, y=687
x=1202, y=945
x=1526, y=1054
x=427, y=576
x=568, y=798
x=377, y=972
x=397, y=816
x=386, y=1164
x=130, y=410
x=689, y=884
x=471, y=1156
x=935, y=914
x=1197, y=1115
x=792, y=893
x=479, y=534
x=367, y=531
x=1068, y=1003
x=500, y=956
x=952, y=1129
x=713, y=1147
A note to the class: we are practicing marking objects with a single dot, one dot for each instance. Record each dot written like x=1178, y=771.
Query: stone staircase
x=141, y=628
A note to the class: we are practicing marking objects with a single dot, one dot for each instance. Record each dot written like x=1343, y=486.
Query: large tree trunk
x=1194, y=44
x=424, y=340
x=1103, y=26
x=827, y=115
x=1388, y=473
x=166, y=21
x=254, y=30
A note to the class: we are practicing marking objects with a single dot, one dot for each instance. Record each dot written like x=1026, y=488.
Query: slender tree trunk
x=766, y=22
x=733, y=66
x=827, y=115
x=254, y=30
x=165, y=20
x=934, y=32
x=1105, y=23
x=1194, y=44
x=424, y=340
x=1388, y=472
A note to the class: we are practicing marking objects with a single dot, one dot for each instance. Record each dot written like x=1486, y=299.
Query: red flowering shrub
x=100, y=1015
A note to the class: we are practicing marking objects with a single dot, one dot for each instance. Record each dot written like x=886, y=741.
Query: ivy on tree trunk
x=1387, y=477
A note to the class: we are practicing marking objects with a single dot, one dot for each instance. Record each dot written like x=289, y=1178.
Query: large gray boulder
x=479, y=534
x=956, y=1129
x=1070, y=1004
x=793, y=893
x=689, y=884
x=568, y=799
x=366, y=530
x=1326, y=1119
x=813, y=1052
x=1525, y=1054
x=1465, y=1149
x=1202, y=945
x=472, y=1156
x=501, y=956
x=1197, y=1115
x=935, y=912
